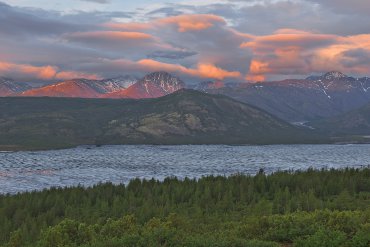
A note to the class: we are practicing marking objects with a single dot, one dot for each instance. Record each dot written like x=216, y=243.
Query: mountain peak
x=163, y=81
x=160, y=75
x=332, y=75
x=153, y=85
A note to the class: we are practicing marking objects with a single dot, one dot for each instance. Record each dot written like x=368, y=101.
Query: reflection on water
x=24, y=171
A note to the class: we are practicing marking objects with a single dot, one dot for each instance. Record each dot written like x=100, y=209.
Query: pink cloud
x=40, y=72
x=187, y=23
x=203, y=70
x=288, y=52
x=184, y=23
x=131, y=26
x=110, y=35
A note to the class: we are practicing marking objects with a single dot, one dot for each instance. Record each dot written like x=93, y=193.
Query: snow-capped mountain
x=293, y=100
x=77, y=88
x=333, y=82
x=82, y=88
x=153, y=85
x=117, y=83
x=9, y=87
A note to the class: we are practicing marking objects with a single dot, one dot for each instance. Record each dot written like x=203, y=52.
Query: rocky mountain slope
x=9, y=87
x=153, y=85
x=82, y=88
x=117, y=83
x=78, y=88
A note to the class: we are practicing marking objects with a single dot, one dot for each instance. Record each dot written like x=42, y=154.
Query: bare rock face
x=153, y=85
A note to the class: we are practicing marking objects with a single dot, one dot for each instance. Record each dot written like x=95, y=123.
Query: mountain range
x=153, y=85
x=9, y=87
x=293, y=100
x=184, y=117
x=329, y=105
x=301, y=100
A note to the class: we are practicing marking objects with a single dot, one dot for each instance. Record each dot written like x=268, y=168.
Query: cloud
x=346, y=7
x=171, y=54
x=133, y=44
x=97, y=1
x=109, y=36
x=16, y=22
x=127, y=26
x=47, y=72
x=293, y=52
x=231, y=40
x=184, y=23
x=202, y=70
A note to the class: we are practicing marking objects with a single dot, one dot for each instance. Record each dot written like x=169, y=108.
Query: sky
x=220, y=40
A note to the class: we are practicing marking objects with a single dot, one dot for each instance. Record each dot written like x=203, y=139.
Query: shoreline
x=287, y=172
x=15, y=148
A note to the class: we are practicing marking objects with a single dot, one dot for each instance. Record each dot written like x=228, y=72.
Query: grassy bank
x=310, y=208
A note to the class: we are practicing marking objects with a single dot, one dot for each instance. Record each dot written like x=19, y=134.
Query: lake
x=88, y=165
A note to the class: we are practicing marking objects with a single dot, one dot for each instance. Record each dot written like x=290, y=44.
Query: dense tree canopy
x=330, y=207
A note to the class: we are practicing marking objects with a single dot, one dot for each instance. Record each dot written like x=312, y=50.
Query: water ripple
x=24, y=171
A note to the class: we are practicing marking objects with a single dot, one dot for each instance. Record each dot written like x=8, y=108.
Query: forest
x=302, y=208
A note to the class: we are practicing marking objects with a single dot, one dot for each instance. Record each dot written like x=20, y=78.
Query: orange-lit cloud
x=203, y=70
x=290, y=52
x=41, y=72
x=187, y=23
x=111, y=35
x=257, y=69
x=288, y=37
x=184, y=23
x=131, y=26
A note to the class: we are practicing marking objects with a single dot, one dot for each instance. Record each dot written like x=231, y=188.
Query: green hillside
x=185, y=117
x=355, y=122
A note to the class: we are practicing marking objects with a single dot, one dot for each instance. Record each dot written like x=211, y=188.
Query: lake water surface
x=25, y=171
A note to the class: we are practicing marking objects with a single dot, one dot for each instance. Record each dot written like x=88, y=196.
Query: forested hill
x=184, y=117
x=356, y=122
x=310, y=208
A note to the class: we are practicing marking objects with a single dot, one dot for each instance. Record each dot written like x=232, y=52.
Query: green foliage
x=66, y=233
x=323, y=238
x=300, y=208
